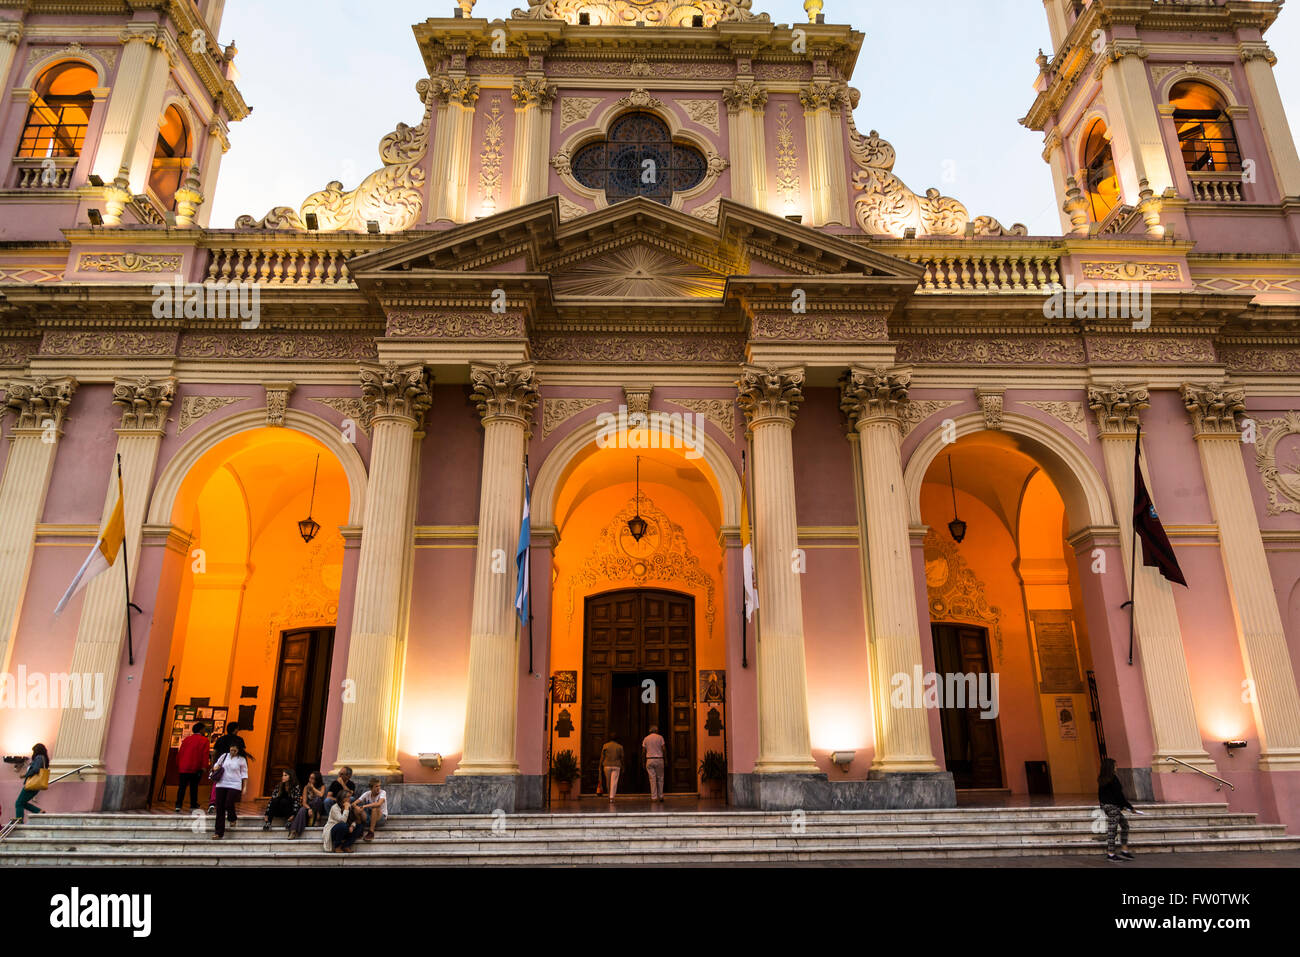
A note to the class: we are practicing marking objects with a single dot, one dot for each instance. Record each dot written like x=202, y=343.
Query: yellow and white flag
x=747, y=546
x=104, y=554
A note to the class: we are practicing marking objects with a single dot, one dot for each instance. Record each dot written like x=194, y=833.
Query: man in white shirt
x=653, y=750
x=374, y=805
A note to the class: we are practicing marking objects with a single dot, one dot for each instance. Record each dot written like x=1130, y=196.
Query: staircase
x=628, y=838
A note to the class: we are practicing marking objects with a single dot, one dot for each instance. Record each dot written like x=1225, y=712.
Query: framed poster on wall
x=1056, y=648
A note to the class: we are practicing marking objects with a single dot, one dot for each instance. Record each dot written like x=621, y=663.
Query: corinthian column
x=130, y=133
x=506, y=396
x=534, y=98
x=10, y=35
x=770, y=398
x=453, y=147
x=873, y=401
x=1275, y=699
x=1174, y=728
x=39, y=406
x=400, y=398
x=746, y=102
x=822, y=103
x=144, y=403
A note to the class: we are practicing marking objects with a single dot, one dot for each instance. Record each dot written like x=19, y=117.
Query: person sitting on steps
x=284, y=800
x=373, y=804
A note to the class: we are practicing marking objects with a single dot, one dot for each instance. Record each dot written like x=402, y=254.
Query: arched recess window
x=171, y=157
x=1205, y=132
x=639, y=158
x=60, y=112
x=1099, y=169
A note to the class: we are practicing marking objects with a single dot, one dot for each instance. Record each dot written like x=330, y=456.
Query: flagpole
x=1131, y=604
x=126, y=572
x=744, y=582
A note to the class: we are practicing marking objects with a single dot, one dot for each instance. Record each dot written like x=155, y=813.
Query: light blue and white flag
x=523, y=554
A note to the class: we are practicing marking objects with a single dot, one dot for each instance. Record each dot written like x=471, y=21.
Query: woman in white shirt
x=230, y=786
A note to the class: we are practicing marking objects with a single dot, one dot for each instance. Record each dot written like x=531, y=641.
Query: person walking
x=1110, y=793
x=192, y=760
x=232, y=780
x=221, y=747
x=611, y=765
x=652, y=752
x=36, y=779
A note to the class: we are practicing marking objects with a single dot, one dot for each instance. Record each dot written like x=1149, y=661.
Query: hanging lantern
x=956, y=528
x=638, y=526
x=308, y=527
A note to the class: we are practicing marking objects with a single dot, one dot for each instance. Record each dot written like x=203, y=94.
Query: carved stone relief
x=956, y=594
x=1280, y=472
x=1070, y=413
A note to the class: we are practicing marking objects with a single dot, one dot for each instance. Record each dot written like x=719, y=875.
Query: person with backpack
x=1110, y=793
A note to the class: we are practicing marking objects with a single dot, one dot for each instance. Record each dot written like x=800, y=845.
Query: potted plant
x=565, y=770
x=713, y=773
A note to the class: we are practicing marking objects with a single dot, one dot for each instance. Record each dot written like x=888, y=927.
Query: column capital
x=533, y=91
x=868, y=395
x=396, y=391
x=11, y=31
x=770, y=393
x=456, y=90
x=823, y=95
x=39, y=400
x=1117, y=407
x=1214, y=409
x=145, y=403
x=745, y=95
x=505, y=391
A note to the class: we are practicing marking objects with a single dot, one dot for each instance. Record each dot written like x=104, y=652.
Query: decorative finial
x=466, y=8
x=813, y=7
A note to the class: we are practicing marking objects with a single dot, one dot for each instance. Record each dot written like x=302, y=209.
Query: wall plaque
x=1057, y=650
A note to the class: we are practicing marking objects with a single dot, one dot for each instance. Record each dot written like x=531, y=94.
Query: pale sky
x=945, y=81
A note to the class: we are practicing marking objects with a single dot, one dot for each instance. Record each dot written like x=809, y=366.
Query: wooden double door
x=298, y=708
x=970, y=742
x=639, y=672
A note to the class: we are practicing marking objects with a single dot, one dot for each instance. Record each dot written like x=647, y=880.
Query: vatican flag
x=104, y=554
x=751, y=593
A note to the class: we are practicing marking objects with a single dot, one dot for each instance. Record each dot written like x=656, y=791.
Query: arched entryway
x=257, y=603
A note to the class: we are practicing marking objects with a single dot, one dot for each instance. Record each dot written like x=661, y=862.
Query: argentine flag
x=522, y=555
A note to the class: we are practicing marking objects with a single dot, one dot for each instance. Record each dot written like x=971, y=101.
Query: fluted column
x=1276, y=700
x=745, y=105
x=507, y=396
x=400, y=398
x=1258, y=62
x=770, y=398
x=534, y=98
x=131, y=125
x=453, y=147
x=11, y=34
x=101, y=629
x=1174, y=728
x=218, y=146
x=822, y=102
x=39, y=406
x=873, y=400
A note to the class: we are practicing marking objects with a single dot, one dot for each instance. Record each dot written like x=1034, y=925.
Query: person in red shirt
x=192, y=761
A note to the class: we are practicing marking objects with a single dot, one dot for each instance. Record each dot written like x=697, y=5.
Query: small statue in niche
x=713, y=723
x=564, y=726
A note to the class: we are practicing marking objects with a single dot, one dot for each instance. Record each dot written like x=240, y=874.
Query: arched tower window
x=1205, y=132
x=60, y=112
x=171, y=157
x=1099, y=171
x=639, y=158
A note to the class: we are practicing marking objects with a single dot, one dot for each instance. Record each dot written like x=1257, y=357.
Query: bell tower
x=1164, y=119
x=120, y=115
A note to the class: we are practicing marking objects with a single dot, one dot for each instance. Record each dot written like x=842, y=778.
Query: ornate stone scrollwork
x=195, y=407
x=887, y=207
x=533, y=91
x=505, y=391
x=277, y=402
x=1117, y=407
x=1214, y=409
x=36, y=402
x=770, y=393
x=626, y=13
x=1281, y=480
x=955, y=592
x=745, y=95
x=867, y=394
x=393, y=390
x=991, y=402
x=144, y=402
x=392, y=196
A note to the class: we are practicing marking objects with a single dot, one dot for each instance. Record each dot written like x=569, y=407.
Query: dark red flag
x=1156, y=548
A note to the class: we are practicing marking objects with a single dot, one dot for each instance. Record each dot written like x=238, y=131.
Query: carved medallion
x=1279, y=468
x=129, y=262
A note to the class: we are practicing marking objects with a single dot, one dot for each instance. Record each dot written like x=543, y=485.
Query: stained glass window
x=639, y=158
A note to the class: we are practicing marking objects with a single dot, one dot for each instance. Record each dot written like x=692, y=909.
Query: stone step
x=225, y=854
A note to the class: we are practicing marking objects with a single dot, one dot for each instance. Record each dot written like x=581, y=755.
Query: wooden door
x=970, y=742
x=639, y=662
x=298, y=708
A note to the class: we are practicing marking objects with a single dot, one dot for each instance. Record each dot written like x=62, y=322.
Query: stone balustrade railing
x=979, y=266
x=1217, y=187
x=48, y=173
x=293, y=260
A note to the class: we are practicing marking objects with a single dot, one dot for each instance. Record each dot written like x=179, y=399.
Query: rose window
x=639, y=158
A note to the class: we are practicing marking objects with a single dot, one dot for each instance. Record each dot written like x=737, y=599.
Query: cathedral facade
x=635, y=268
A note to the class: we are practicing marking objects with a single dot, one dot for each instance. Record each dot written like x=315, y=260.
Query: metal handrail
x=9, y=828
x=1231, y=787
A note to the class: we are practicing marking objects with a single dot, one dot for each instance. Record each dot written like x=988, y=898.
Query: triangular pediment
x=637, y=270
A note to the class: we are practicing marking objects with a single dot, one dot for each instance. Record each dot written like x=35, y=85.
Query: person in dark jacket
x=284, y=800
x=40, y=760
x=223, y=747
x=191, y=761
x=1110, y=793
